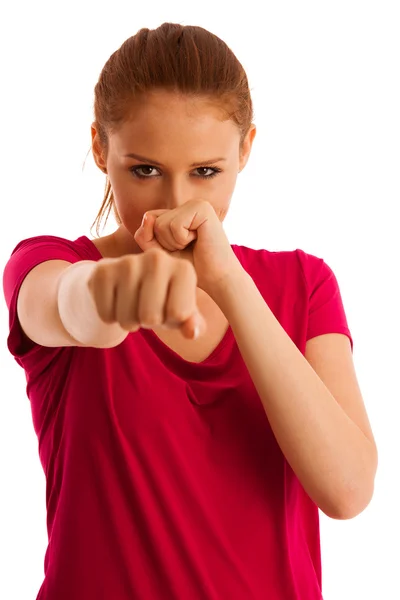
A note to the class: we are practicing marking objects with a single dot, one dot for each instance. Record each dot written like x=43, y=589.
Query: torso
x=191, y=350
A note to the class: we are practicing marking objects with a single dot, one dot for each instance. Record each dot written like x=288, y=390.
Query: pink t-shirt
x=164, y=480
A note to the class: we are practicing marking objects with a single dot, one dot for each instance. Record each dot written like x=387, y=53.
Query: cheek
x=127, y=207
x=222, y=206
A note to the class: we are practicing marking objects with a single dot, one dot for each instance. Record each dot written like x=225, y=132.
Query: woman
x=195, y=401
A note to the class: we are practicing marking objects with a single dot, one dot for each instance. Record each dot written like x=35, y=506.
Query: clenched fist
x=147, y=290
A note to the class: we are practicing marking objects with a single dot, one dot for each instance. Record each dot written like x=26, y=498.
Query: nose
x=175, y=192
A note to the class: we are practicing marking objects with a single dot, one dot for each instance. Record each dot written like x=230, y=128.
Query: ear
x=246, y=147
x=97, y=149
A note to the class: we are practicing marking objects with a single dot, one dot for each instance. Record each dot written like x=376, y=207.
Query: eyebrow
x=154, y=162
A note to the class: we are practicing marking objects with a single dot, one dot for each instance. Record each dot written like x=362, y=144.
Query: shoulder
x=30, y=252
x=299, y=273
x=82, y=246
x=283, y=262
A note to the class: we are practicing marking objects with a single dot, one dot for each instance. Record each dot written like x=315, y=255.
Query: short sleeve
x=25, y=256
x=326, y=313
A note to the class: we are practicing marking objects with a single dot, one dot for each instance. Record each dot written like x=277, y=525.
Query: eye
x=136, y=172
x=214, y=172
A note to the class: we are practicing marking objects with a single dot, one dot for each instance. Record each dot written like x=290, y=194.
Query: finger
x=181, y=306
x=102, y=288
x=181, y=234
x=153, y=293
x=173, y=228
x=144, y=236
x=126, y=296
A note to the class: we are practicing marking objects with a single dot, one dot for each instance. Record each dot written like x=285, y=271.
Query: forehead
x=160, y=102
x=160, y=118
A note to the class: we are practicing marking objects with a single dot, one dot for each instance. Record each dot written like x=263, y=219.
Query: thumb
x=144, y=236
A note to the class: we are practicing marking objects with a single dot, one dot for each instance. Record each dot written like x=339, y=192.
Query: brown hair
x=185, y=59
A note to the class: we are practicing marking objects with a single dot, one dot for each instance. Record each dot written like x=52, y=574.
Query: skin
x=175, y=131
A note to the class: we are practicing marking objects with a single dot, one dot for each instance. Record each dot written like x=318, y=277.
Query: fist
x=194, y=232
x=147, y=290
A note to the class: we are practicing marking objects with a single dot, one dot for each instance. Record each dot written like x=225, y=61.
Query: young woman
x=195, y=401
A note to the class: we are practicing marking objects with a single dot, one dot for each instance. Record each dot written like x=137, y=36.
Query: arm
x=55, y=307
x=332, y=451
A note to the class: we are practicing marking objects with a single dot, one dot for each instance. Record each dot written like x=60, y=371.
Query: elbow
x=350, y=505
x=357, y=495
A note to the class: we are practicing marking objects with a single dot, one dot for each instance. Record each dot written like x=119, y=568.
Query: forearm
x=330, y=455
x=77, y=310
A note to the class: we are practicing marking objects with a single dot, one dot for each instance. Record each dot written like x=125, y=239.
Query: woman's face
x=171, y=150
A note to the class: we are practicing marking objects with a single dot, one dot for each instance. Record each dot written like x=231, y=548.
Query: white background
x=323, y=177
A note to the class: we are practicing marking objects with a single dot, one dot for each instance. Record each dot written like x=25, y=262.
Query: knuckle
x=154, y=253
x=175, y=226
x=186, y=268
x=127, y=265
x=155, y=257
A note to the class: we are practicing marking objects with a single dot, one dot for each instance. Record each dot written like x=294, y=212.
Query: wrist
x=230, y=286
x=77, y=309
